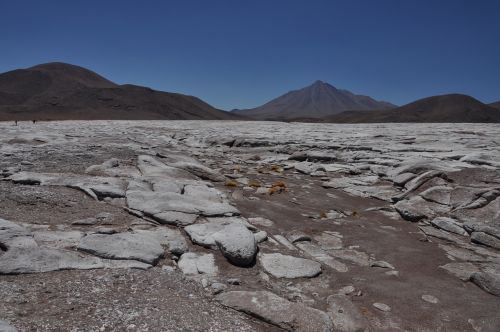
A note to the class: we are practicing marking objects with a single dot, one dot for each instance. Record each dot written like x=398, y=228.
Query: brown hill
x=496, y=105
x=446, y=108
x=59, y=91
x=314, y=101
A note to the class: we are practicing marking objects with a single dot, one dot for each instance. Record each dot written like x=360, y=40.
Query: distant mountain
x=59, y=91
x=446, y=108
x=314, y=101
x=496, y=105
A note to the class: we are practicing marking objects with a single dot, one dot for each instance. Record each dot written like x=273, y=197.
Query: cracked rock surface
x=266, y=226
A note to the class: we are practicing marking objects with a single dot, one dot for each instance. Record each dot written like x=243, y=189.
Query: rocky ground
x=243, y=226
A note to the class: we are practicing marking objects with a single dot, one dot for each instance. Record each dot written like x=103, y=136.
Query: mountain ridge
x=317, y=100
x=453, y=108
x=61, y=91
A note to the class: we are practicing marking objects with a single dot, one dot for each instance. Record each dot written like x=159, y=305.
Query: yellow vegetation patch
x=277, y=188
x=231, y=183
x=254, y=184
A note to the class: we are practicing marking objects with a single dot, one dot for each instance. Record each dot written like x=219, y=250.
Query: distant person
x=15, y=121
x=34, y=121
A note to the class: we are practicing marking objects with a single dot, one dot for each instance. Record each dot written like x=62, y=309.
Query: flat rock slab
x=36, y=260
x=487, y=281
x=130, y=246
x=449, y=224
x=198, y=264
x=283, y=266
x=277, y=311
x=6, y=327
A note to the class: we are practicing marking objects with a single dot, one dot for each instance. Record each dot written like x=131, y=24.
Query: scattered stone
x=283, y=266
x=217, y=288
x=346, y=290
x=382, y=307
x=430, y=299
x=382, y=264
x=233, y=281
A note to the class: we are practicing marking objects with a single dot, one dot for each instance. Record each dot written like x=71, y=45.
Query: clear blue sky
x=238, y=54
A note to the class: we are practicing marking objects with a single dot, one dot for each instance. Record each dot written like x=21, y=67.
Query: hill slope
x=453, y=108
x=496, y=105
x=59, y=91
x=315, y=101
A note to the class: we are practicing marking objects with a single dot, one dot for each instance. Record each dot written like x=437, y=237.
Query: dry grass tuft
x=254, y=184
x=231, y=183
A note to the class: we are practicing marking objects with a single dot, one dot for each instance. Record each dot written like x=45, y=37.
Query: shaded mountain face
x=496, y=105
x=315, y=101
x=59, y=91
x=454, y=108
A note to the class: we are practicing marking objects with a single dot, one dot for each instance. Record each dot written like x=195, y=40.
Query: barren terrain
x=249, y=226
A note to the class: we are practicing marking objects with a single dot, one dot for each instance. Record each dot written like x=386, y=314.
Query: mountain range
x=445, y=108
x=317, y=100
x=60, y=91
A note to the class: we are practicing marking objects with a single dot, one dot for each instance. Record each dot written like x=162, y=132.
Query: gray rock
x=277, y=311
x=175, y=218
x=416, y=208
x=283, y=266
x=217, y=288
x=320, y=255
x=308, y=168
x=489, y=282
x=449, y=224
x=36, y=260
x=328, y=241
x=260, y=236
x=430, y=299
x=237, y=244
x=403, y=178
x=438, y=194
x=297, y=236
x=202, y=233
x=281, y=239
x=6, y=327
x=485, y=239
x=382, y=306
x=346, y=317
x=129, y=246
x=462, y=271
x=382, y=264
x=357, y=257
x=194, y=264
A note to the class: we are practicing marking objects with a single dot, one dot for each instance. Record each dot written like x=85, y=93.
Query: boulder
x=449, y=224
x=198, y=264
x=237, y=244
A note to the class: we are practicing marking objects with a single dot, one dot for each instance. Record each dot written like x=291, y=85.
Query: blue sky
x=238, y=54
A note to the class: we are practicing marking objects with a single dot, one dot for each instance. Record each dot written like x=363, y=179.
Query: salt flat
x=167, y=225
